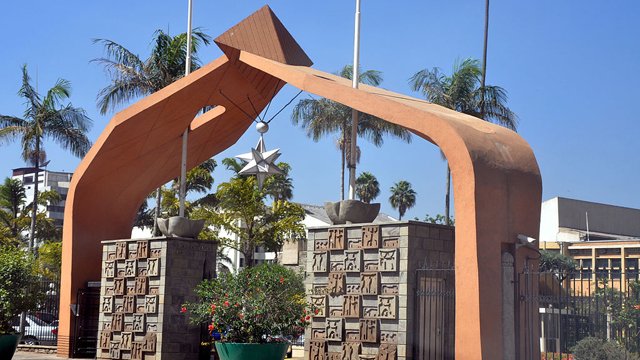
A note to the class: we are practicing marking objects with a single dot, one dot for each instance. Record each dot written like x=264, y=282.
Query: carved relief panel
x=126, y=338
x=142, y=251
x=117, y=322
x=150, y=304
x=336, y=284
x=129, y=304
x=153, y=267
x=388, y=337
x=141, y=285
x=138, y=322
x=106, y=306
x=350, y=351
x=337, y=238
x=119, y=286
x=156, y=253
x=351, y=306
x=387, y=306
x=136, y=350
x=371, y=237
x=389, y=289
x=369, y=330
x=318, y=334
x=130, y=268
x=317, y=350
x=388, y=352
x=320, y=261
x=370, y=312
x=352, y=260
x=333, y=329
x=390, y=243
x=388, y=260
x=109, y=269
x=149, y=343
x=369, y=283
x=114, y=350
x=319, y=303
x=105, y=339
x=121, y=250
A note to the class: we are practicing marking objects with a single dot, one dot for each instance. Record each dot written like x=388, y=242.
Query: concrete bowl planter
x=178, y=226
x=351, y=211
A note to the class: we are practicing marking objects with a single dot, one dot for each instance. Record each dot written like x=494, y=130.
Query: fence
x=578, y=304
x=41, y=326
x=434, y=329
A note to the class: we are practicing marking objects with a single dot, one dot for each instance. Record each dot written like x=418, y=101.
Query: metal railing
x=41, y=325
x=577, y=304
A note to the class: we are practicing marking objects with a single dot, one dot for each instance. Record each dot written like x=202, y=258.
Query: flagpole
x=185, y=135
x=354, y=113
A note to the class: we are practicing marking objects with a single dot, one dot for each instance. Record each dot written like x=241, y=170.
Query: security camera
x=526, y=240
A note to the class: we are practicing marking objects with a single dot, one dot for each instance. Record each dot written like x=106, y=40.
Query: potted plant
x=249, y=312
x=18, y=294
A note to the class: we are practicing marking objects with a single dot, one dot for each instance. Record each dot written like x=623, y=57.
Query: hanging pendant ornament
x=260, y=162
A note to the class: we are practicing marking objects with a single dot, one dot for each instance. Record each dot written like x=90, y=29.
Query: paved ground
x=298, y=354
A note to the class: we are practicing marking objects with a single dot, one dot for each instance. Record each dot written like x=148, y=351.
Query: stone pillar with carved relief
x=144, y=284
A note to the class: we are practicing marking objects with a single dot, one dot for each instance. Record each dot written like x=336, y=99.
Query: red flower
x=237, y=304
x=281, y=280
x=183, y=310
x=307, y=318
x=226, y=304
x=302, y=319
x=317, y=311
x=213, y=308
x=211, y=328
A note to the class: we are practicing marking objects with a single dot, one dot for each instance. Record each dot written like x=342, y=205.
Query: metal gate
x=434, y=329
x=85, y=334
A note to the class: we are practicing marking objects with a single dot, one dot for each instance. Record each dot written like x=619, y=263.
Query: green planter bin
x=241, y=351
x=8, y=345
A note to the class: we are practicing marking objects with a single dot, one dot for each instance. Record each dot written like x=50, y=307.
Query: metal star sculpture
x=260, y=162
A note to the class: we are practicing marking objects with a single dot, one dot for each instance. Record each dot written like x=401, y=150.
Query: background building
x=47, y=180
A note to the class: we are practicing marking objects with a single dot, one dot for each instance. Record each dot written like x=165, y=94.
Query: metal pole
x=354, y=113
x=185, y=135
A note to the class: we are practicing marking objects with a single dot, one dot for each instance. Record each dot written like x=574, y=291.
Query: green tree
x=242, y=220
x=132, y=77
x=559, y=264
x=463, y=92
x=280, y=186
x=12, y=200
x=322, y=117
x=367, y=187
x=402, y=197
x=45, y=117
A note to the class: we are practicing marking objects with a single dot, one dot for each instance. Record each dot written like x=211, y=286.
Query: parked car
x=36, y=331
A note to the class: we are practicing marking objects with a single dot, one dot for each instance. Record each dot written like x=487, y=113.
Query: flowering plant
x=253, y=306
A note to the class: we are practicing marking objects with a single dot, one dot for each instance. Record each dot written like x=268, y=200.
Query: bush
x=592, y=348
x=252, y=306
x=18, y=285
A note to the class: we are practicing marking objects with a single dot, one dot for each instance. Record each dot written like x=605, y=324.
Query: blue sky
x=570, y=68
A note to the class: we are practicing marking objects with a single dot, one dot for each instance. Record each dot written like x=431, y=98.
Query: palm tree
x=132, y=77
x=321, y=117
x=367, y=187
x=46, y=117
x=402, y=197
x=463, y=92
x=280, y=186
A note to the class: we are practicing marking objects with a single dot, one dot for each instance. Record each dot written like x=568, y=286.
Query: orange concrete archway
x=497, y=183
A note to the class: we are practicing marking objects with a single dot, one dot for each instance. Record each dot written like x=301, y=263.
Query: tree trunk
x=447, y=197
x=34, y=211
x=156, y=215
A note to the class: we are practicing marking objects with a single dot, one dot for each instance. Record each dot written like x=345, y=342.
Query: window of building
x=586, y=266
x=602, y=268
x=631, y=269
x=616, y=268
